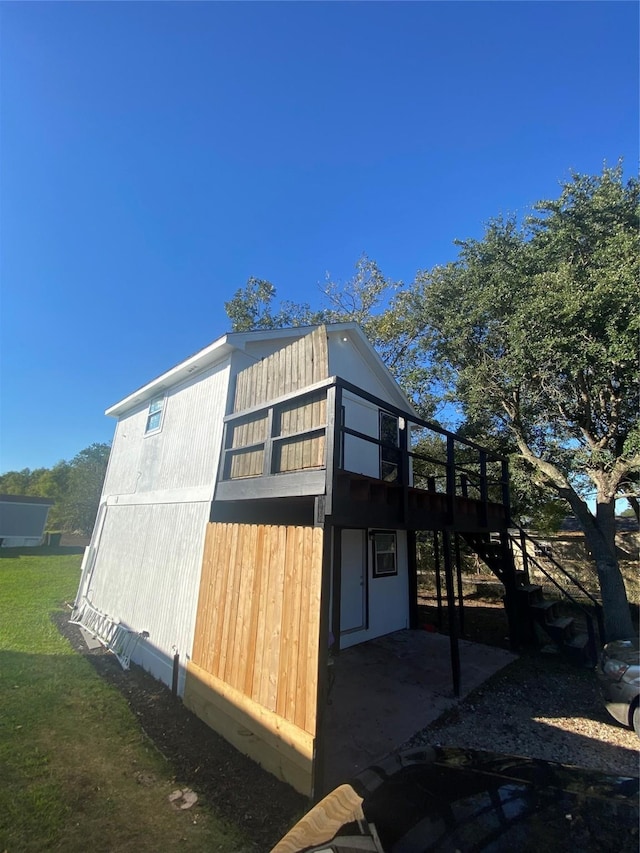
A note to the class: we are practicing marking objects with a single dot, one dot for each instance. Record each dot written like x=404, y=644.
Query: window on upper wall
x=389, y=455
x=385, y=562
x=154, y=416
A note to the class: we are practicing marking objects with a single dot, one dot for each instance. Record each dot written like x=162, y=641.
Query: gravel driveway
x=539, y=706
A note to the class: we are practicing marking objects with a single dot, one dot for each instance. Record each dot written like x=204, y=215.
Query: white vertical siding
x=185, y=452
x=158, y=493
x=147, y=574
x=124, y=459
x=360, y=456
x=346, y=362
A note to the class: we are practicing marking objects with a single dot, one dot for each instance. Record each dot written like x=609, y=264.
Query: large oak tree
x=532, y=334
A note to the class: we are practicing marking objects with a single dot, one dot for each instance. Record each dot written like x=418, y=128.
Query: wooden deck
x=369, y=502
x=291, y=448
x=290, y=439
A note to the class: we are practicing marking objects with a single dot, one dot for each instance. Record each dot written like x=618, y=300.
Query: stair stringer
x=533, y=619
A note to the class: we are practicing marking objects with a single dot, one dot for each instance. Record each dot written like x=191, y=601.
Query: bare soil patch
x=540, y=706
x=235, y=787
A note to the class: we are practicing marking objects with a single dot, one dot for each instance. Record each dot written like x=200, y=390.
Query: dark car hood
x=443, y=800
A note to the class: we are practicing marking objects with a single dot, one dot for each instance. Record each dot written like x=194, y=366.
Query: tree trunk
x=600, y=535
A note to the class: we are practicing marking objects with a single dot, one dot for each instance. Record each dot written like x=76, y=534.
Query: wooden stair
x=550, y=621
x=534, y=618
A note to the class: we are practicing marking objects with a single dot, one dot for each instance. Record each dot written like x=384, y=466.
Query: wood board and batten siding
x=254, y=668
x=296, y=366
x=292, y=368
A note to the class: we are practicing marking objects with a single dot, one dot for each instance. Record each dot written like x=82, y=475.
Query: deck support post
x=451, y=608
x=519, y=631
x=484, y=490
x=459, y=579
x=333, y=442
x=525, y=556
x=403, y=443
x=333, y=641
x=506, y=494
x=412, y=566
x=320, y=746
x=436, y=560
x=451, y=479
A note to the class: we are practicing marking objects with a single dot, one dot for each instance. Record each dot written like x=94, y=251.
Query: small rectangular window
x=385, y=562
x=154, y=417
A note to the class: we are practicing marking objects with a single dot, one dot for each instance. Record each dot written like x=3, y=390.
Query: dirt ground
x=239, y=790
x=232, y=785
x=484, y=619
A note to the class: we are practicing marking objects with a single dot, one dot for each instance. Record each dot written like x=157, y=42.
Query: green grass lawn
x=76, y=771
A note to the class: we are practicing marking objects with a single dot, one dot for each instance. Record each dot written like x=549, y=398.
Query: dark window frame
x=377, y=539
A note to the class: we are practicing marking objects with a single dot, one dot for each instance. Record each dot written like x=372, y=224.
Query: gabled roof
x=221, y=348
x=370, y=355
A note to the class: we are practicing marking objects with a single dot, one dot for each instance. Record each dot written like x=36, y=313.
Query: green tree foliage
x=531, y=335
x=54, y=483
x=250, y=307
x=74, y=486
x=533, y=332
x=366, y=298
x=86, y=476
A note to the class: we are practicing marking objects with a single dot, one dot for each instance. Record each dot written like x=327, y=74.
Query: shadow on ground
x=230, y=783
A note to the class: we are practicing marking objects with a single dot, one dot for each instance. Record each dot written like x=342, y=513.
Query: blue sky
x=153, y=156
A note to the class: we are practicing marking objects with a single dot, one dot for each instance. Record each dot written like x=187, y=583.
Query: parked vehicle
x=443, y=799
x=619, y=675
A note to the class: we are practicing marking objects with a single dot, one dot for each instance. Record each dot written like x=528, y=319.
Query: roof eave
x=203, y=359
x=367, y=349
x=227, y=343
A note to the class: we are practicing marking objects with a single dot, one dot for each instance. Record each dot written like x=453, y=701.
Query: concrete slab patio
x=386, y=690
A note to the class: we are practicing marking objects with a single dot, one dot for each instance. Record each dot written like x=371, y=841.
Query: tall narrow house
x=260, y=512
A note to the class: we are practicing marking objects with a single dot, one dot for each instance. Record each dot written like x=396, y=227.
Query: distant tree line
x=75, y=487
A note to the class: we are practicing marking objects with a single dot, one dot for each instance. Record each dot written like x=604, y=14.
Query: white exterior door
x=374, y=592
x=353, y=584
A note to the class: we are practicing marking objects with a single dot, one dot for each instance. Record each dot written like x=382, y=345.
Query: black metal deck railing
x=425, y=458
